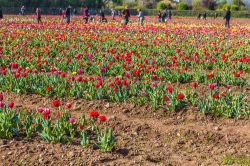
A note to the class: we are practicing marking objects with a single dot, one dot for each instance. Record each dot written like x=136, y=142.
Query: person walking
x=86, y=14
x=113, y=14
x=126, y=15
x=1, y=13
x=159, y=16
x=141, y=17
x=164, y=17
x=102, y=17
x=38, y=15
x=227, y=17
x=68, y=13
x=22, y=10
x=205, y=16
x=74, y=12
x=170, y=14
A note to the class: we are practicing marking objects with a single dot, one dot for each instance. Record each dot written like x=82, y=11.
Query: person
x=119, y=13
x=199, y=16
x=1, y=13
x=159, y=16
x=67, y=13
x=141, y=17
x=74, y=11
x=215, y=15
x=169, y=14
x=86, y=14
x=113, y=14
x=102, y=17
x=39, y=15
x=126, y=15
x=205, y=16
x=22, y=10
x=164, y=17
x=63, y=14
x=227, y=18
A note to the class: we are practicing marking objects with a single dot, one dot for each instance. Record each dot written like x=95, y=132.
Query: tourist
x=74, y=12
x=23, y=10
x=86, y=14
x=102, y=17
x=141, y=17
x=1, y=13
x=215, y=15
x=159, y=16
x=63, y=13
x=205, y=16
x=227, y=18
x=68, y=13
x=126, y=15
x=164, y=17
x=199, y=16
x=170, y=14
x=113, y=14
x=38, y=15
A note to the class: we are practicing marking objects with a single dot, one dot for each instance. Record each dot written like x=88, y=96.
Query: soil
x=144, y=137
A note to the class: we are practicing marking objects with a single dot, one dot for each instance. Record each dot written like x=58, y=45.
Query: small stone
x=9, y=153
x=178, y=134
x=217, y=128
x=125, y=111
x=181, y=142
x=71, y=154
x=107, y=105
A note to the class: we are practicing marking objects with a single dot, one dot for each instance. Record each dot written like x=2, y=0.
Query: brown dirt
x=144, y=137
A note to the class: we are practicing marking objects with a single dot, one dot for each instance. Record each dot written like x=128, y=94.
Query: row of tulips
x=109, y=61
x=57, y=126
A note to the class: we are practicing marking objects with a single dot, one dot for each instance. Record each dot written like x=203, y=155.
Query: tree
x=238, y=3
x=196, y=4
x=182, y=6
x=209, y=4
x=161, y=5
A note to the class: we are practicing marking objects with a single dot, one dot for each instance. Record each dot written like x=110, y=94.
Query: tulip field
x=175, y=93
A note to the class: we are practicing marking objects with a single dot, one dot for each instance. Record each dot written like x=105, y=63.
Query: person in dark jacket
x=86, y=14
x=39, y=15
x=205, y=16
x=1, y=13
x=102, y=17
x=227, y=18
x=68, y=13
x=159, y=16
x=164, y=17
x=126, y=15
x=169, y=14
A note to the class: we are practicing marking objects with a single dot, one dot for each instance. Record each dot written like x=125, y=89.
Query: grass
x=233, y=159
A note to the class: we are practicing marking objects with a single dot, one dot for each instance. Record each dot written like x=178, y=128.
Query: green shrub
x=182, y=6
x=235, y=8
x=161, y=5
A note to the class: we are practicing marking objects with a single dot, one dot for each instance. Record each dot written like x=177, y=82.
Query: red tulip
x=1, y=96
x=56, y=103
x=49, y=88
x=166, y=98
x=194, y=84
x=216, y=96
x=68, y=105
x=11, y=104
x=102, y=118
x=81, y=127
x=180, y=96
x=170, y=89
x=94, y=114
x=211, y=75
